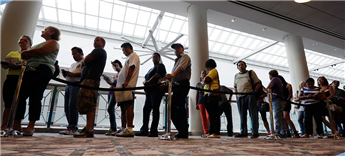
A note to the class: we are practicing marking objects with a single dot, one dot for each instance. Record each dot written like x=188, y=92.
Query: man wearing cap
x=71, y=92
x=181, y=74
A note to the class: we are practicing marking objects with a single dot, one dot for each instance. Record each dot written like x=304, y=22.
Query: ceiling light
x=234, y=20
x=315, y=43
x=335, y=49
x=264, y=29
x=301, y=1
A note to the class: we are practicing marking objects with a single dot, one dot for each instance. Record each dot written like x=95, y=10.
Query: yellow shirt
x=213, y=74
x=18, y=55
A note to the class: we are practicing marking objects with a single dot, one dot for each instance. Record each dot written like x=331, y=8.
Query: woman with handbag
x=211, y=82
x=200, y=105
x=153, y=97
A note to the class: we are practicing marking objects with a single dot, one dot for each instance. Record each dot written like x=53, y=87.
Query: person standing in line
x=128, y=77
x=71, y=92
x=181, y=74
x=243, y=83
x=93, y=67
x=40, y=57
x=200, y=105
x=287, y=92
x=10, y=84
x=339, y=99
x=225, y=107
x=153, y=97
x=301, y=112
x=277, y=104
x=111, y=97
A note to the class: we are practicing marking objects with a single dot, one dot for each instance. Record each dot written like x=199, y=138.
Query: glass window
x=116, y=26
x=64, y=16
x=92, y=7
x=49, y=3
x=239, y=41
x=184, y=29
x=128, y=29
x=231, y=39
x=247, y=42
x=145, y=8
x=171, y=37
x=120, y=2
x=50, y=13
x=162, y=35
x=176, y=25
x=78, y=19
x=223, y=36
x=91, y=21
x=104, y=24
x=131, y=15
x=224, y=49
x=153, y=19
x=214, y=34
x=143, y=18
x=133, y=5
x=78, y=5
x=64, y=4
x=166, y=23
x=119, y=12
x=216, y=47
x=105, y=9
x=140, y=31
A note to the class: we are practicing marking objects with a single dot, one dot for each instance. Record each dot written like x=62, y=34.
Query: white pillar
x=296, y=58
x=198, y=52
x=19, y=18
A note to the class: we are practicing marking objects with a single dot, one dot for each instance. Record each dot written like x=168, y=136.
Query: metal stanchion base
x=272, y=137
x=167, y=137
x=11, y=133
x=333, y=137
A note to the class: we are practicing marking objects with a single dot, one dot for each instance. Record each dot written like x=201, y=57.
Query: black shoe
x=141, y=134
x=84, y=133
x=230, y=135
x=240, y=135
x=254, y=136
x=282, y=135
x=288, y=134
x=153, y=135
x=180, y=136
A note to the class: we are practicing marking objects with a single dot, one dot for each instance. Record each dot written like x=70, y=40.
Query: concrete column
x=198, y=52
x=296, y=58
x=19, y=18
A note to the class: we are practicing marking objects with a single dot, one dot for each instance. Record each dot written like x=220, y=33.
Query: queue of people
x=88, y=70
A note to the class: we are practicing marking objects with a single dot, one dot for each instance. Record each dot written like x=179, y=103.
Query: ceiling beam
x=326, y=65
x=270, y=44
x=158, y=20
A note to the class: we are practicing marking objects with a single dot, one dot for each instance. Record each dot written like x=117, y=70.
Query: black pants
x=178, y=107
x=225, y=107
x=310, y=111
x=152, y=102
x=33, y=86
x=9, y=89
x=212, y=107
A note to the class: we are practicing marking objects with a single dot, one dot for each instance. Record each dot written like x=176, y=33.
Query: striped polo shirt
x=307, y=91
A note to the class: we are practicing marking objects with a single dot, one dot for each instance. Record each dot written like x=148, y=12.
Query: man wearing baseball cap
x=181, y=74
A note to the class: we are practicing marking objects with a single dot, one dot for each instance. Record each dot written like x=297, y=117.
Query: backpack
x=260, y=91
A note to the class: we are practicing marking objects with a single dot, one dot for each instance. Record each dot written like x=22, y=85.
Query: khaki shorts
x=87, y=98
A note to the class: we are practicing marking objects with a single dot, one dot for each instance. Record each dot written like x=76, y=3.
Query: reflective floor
x=54, y=144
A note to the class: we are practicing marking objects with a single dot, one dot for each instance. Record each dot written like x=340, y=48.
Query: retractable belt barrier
x=9, y=132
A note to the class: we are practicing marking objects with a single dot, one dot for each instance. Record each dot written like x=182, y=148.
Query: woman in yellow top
x=11, y=81
x=212, y=101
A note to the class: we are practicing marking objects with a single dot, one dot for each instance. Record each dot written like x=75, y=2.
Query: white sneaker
x=67, y=132
x=125, y=133
x=118, y=131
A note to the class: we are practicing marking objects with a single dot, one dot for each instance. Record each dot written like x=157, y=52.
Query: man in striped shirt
x=312, y=108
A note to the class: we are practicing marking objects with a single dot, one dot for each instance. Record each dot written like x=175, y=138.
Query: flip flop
x=28, y=133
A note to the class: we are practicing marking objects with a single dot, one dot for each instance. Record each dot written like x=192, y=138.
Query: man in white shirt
x=71, y=92
x=128, y=78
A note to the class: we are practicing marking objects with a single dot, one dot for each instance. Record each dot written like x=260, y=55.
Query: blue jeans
x=301, y=121
x=243, y=104
x=71, y=107
x=111, y=111
x=152, y=102
x=278, y=107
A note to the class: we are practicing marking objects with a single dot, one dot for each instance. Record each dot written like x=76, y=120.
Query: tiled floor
x=54, y=144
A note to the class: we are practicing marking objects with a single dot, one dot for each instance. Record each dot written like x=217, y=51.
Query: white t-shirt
x=76, y=67
x=132, y=59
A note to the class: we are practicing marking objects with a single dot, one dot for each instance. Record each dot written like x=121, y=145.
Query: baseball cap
x=176, y=45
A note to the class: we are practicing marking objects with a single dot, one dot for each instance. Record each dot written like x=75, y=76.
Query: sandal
x=28, y=133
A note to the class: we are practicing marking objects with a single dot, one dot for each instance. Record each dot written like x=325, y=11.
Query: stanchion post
x=52, y=104
x=272, y=136
x=9, y=132
x=168, y=135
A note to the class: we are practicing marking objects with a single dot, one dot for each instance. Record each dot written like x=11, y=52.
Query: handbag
x=263, y=106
